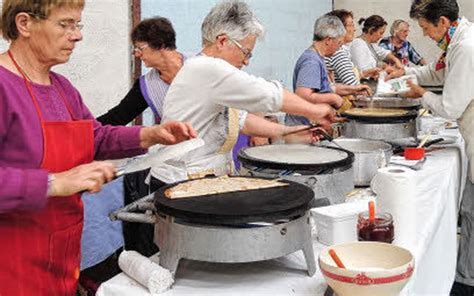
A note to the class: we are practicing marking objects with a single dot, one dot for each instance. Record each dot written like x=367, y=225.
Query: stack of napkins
x=395, y=86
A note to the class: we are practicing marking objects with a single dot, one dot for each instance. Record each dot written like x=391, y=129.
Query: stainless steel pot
x=330, y=178
x=380, y=131
x=369, y=156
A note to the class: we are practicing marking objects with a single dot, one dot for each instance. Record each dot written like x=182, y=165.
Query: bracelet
x=51, y=178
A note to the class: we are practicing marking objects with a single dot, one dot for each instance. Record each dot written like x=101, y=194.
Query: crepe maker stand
x=235, y=227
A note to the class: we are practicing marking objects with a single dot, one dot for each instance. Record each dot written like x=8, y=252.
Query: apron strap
x=233, y=132
x=63, y=97
x=373, y=52
x=28, y=86
x=32, y=95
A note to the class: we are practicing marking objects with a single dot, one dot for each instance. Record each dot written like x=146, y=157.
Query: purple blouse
x=23, y=184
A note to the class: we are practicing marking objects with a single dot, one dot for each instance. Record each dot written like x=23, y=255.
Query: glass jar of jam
x=381, y=230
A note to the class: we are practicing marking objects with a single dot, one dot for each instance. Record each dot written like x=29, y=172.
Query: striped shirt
x=154, y=89
x=341, y=65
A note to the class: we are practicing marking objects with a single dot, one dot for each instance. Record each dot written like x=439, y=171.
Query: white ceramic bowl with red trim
x=372, y=268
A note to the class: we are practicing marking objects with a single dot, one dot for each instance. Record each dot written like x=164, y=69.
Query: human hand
x=169, y=133
x=393, y=73
x=415, y=91
x=363, y=89
x=86, y=177
x=258, y=141
x=399, y=64
x=300, y=134
x=335, y=100
x=323, y=114
x=372, y=73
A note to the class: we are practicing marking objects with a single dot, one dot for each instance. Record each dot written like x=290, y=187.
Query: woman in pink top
x=49, y=140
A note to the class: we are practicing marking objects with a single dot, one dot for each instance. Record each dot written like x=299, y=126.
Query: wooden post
x=136, y=62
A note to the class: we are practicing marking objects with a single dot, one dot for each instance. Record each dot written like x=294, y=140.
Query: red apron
x=40, y=250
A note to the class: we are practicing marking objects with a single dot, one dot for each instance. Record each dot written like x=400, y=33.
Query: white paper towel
x=156, y=278
x=396, y=193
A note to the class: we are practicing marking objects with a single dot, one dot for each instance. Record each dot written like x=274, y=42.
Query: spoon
x=336, y=258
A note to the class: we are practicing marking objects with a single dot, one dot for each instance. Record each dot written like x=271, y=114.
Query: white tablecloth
x=438, y=187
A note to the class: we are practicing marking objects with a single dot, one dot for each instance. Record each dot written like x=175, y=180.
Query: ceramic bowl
x=372, y=268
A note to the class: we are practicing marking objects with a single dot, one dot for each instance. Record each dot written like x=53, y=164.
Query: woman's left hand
x=415, y=91
x=169, y=133
x=363, y=89
x=258, y=141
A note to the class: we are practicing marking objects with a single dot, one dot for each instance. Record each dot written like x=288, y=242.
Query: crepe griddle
x=259, y=205
x=296, y=167
x=388, y=102
x=386, y=118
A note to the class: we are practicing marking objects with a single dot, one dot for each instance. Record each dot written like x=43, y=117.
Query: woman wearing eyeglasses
x=154, y=42
x=215, y=95
x=441, y=21
x=49, y=140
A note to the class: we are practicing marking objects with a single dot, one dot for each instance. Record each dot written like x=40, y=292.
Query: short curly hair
x=157, y=32
x=39, y=8
x=342, y=14
x=432, y=10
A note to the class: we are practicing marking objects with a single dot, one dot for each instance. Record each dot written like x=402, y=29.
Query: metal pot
x=381, y=126
x=370, y=155
x=388, y=102
x=380, y=131
x=330, y=179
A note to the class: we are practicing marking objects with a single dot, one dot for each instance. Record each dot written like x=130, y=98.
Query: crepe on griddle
x=224, y=184
x=376, y=112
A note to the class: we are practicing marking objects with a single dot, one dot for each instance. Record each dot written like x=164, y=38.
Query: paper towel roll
x=396, y=193
x=156, y=278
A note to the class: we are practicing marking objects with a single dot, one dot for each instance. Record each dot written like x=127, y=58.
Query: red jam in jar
x=381, y=230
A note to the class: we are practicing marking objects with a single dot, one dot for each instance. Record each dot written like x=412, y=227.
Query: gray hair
x=328, y=26
x=232, y=18
x=432, y=10
x=395, y=25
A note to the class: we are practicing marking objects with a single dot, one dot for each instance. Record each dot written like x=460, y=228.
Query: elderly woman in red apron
x=48, y=142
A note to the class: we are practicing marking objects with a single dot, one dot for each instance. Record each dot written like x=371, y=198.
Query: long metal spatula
x=160, y=156
x=328, y=137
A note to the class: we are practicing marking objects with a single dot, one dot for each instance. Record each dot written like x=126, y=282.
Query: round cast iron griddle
x=410, y=115
x=267, y=205
x=388, y=102
x=316, y=168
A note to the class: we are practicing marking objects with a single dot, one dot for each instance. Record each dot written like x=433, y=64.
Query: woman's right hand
x=86, y=177
x=371, y=73
x=324, y=115
x=393, y=72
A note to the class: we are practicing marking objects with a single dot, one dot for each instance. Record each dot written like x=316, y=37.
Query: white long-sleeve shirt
x=457, y=100
x=200, y=94
x=363, y=57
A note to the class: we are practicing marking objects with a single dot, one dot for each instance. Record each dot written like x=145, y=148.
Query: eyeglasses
x=69, y=26
x=139, y=49
x=247, y=53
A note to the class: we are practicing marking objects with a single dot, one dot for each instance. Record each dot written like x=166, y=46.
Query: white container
x=337, y=224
